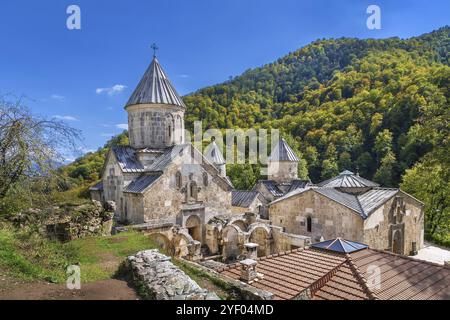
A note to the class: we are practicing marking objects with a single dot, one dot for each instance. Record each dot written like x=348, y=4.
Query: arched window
x=205, y=179
x=308, y=224
x=178, y=179
x=193, y=190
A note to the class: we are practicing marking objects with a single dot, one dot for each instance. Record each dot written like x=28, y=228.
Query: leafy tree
x=29, y=145
x=430, y=182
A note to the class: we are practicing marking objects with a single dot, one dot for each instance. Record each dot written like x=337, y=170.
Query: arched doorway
x=194, y=226
x=397, y=242
x=231, y=246
x=260, y=236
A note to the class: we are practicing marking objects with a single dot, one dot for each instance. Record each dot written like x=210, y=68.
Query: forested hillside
x=380, y=107
x=349, y=103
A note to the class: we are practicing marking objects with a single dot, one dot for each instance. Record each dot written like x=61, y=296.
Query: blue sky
x=202, y=42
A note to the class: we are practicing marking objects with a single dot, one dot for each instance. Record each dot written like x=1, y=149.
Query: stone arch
x=241, y=224
x=194, y=226
x=163, y=242
x=260, y=234
x=240, y=221
x=233, y=239
x=181, y=242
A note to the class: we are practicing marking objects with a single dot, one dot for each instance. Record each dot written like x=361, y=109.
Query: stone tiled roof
x=404, y=277
x=155, y=88
x=141, y=183
x=243, y=198
x=127, y=159
x=287, y=275
x=330, y=275
x=282, y=152
x=97, y=187
x=347, y=179
x=163, y=161
x=346, y=199
x=299, y=184
x=213, y=154
x=272, y=188
x=363, y=204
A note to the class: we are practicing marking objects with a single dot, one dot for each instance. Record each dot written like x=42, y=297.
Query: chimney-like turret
x=248, y=270
x=251, y=250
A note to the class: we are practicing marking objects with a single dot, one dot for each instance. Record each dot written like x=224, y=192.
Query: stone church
x=159, y=179
x=355, y=208
x=162, y=185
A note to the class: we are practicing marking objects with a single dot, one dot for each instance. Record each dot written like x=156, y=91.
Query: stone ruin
x=69, y=223
x=157, y=278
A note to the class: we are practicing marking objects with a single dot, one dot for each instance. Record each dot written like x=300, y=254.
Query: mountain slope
x=349, y=103
x=344, y=103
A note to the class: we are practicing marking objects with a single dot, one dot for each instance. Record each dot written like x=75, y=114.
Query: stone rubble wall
x=68, y=222
x=157, y=278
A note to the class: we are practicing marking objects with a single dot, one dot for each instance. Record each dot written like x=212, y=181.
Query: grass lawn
x=30, y=257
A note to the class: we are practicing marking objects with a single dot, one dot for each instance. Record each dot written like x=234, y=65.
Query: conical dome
x=214, y=155
x=155, y=88
x=283, y=152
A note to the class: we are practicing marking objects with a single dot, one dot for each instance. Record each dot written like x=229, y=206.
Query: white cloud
x=123, y=126
x=57, y=97
x=118, y=88
x=66, y=118
x=184, y=76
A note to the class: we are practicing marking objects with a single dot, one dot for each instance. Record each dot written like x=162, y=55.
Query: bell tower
x=282, y=163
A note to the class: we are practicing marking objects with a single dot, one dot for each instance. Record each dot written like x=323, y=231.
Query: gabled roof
x=346, y=199
x=329, y=275
x=363, y=204
x=288, y=274
x=140, y=184
x=243, y=198
x=163, y=161
x=299, y=184
x=214, y=154
x=340, y=245
x=127, y=159
x=97, y=187
x=272, y=187
x=155, y=88
x=282, y=152
x=347, y=179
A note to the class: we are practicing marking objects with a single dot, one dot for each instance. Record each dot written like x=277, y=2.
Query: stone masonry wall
x=329, y=218
x=168, y=204
x=157, y=278
x=377, y=226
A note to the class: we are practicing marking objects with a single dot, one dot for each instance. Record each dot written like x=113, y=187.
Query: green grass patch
x=99, y=257
x=29, y=256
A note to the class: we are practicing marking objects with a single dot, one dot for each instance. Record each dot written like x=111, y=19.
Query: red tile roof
x=327, y=275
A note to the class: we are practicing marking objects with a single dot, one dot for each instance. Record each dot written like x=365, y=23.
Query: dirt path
x=111, y=289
